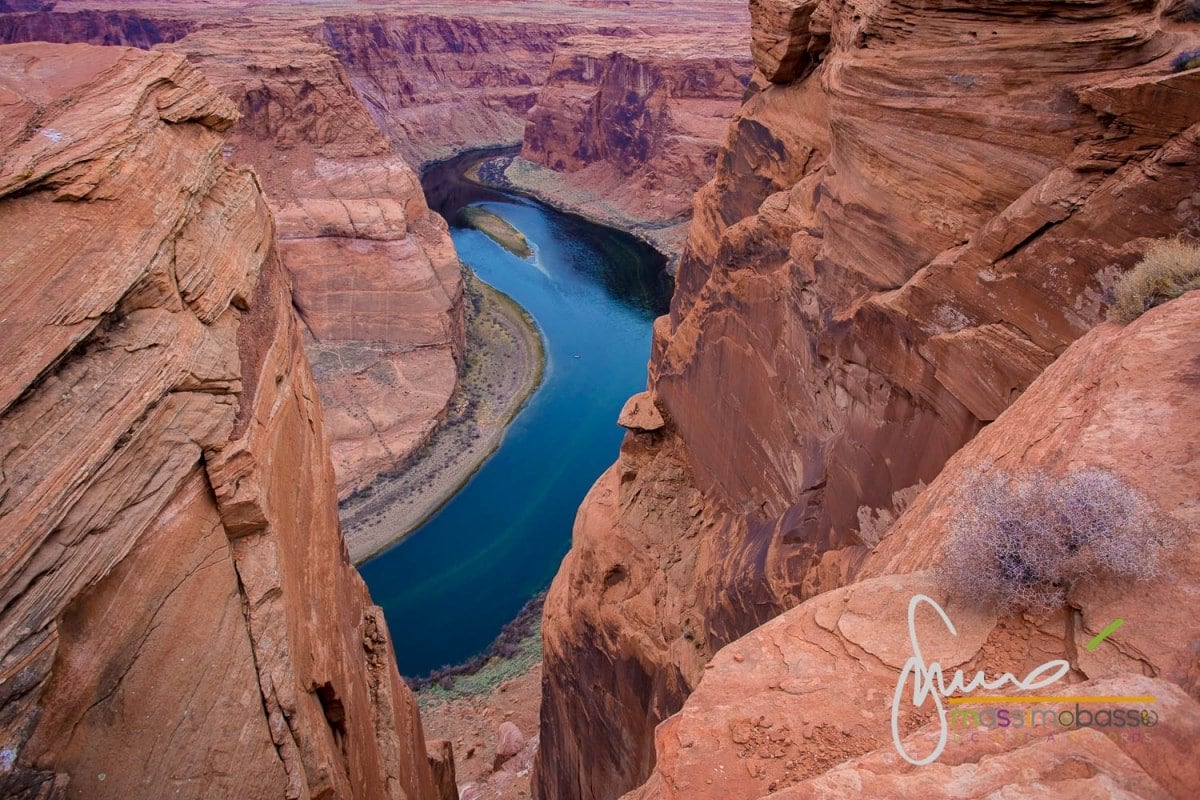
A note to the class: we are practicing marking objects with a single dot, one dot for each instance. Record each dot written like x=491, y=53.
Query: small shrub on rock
x=1023, y=541
x=1169, y=268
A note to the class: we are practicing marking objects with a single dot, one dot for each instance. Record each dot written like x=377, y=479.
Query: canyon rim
x=804, y=309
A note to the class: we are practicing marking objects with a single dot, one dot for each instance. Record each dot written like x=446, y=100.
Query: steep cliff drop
x=179, y=615
x=375, y=278
x=459, y=80
x=814, y=685
x=627, y=130
x=918, y=209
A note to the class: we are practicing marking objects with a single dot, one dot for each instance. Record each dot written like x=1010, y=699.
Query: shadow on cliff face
x=124, y=28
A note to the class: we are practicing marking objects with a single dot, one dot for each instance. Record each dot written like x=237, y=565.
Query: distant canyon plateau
x=895, y=230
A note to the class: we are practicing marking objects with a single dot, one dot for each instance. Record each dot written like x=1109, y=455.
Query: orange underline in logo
x=1145, y=698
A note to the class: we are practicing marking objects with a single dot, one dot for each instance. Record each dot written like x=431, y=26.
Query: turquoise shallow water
x=451, y=586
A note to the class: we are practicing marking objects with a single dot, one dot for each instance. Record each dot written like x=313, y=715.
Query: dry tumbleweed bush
x=1023, y=541
x=1169, y=268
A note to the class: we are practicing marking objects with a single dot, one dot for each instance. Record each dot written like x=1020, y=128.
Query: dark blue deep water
x=452, y=585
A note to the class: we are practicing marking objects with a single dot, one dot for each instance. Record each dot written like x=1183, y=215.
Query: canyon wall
x=179, y=614
x=375, y=278
x=814, y=685
x=90, y=26
x=627, y=128
x=916, y=211
x=441, y=84
x=374, y=273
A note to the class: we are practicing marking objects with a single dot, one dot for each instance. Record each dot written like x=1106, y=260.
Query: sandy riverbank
x=499, y=230
x=576, y=195
x=504, y=365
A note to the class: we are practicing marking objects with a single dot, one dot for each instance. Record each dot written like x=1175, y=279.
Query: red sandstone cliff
x=917, y=211
x=328, y=99
x=375, y=277
x=374, y=273
x=627, y=128
x=814, y=685
x=179, y=614
x=440, y=84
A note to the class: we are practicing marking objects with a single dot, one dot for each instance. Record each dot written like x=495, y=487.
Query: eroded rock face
x=896, y=243
x=441, y=84
x=814, y=686
x=374, y=273
x=179, y=610
x=375, y=277
x=87, y=26
x=634, y=122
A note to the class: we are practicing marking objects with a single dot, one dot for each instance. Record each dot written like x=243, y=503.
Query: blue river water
x=594, y=293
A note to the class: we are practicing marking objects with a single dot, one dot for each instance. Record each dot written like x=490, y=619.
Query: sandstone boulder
x=641, y=414
x=509, y=742
x=441, y=764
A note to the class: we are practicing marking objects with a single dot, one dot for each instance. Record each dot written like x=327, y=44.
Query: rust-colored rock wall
x=440, y=84
x=374, y=272
x=375, y=277
x=180, y=617
x=127, y=28
x=637, y=120
x=814, y=686
x=901, y=235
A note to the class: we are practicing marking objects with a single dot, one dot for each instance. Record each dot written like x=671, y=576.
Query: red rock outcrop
x=179, y=614
x=903, y=232
x=375, y=277
x=814, y=686
x=374, y=272
x=327, y=99
x=7, y=6
x=629, y=127
x=445, y=83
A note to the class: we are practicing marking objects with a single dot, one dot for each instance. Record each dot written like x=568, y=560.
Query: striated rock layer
x=814, y=686
x=374, y=273
x=441, y=84
x=179, y=614
x=333, y=99
x=375, y=278
x=631, y=126
x=918, y=209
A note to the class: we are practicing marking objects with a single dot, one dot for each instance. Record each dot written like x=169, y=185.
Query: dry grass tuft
x=1169, y=268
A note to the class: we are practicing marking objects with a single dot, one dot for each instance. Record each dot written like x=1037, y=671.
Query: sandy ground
x=499, y=229
x=505, y=360
x=472, y=724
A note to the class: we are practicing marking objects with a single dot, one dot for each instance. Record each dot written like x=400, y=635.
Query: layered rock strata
x=916, y=211
x=333, y=100
x=627, y=129
x=442, y=84
x=814, y=686
x=375, y=278
x=179, y=614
